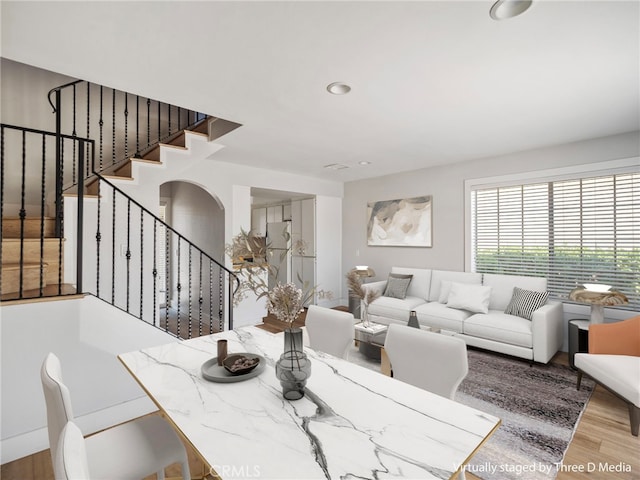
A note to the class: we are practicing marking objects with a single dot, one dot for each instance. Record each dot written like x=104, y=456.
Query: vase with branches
x=365, y=295
x=254, y=262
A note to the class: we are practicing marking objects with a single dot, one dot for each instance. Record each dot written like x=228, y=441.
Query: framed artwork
x=404, y=222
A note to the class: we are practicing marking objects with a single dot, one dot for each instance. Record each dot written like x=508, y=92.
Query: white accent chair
x=330, y=331
x=71, y=459
x=134, y=449
x=432, y=361
x=613, y=361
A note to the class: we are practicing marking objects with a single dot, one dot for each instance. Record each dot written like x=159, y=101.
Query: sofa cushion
x=420, y=283
x=524, y=302
x=438, y=315
x=397, y=285
x=620, y=373
x=395, y=308
x=473, y=298
x=438, y=276
x=500, y=327
x=502, y=287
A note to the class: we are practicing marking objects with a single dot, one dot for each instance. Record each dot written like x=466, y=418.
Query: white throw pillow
x=445, y=288
x=473, y=298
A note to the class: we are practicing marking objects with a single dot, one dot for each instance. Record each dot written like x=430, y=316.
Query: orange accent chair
x=613, y=361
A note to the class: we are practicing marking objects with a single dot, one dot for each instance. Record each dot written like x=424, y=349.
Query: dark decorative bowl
x=240, y=364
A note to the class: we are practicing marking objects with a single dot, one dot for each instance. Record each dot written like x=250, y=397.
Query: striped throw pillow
x=524, y=302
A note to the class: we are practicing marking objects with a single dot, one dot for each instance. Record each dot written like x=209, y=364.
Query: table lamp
x=364, y=271
x=599, y=296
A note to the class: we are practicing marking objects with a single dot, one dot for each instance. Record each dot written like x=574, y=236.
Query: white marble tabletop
x=352, y=422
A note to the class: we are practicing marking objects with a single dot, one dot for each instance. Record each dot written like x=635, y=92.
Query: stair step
x=11, y=227
x=30, y=277
x=48, y=294
x=31, y=254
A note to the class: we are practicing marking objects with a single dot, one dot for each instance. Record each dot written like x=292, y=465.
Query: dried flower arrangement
x=354, y=282
x=251, y=257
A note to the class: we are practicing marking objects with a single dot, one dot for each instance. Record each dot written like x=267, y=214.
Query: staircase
x=98, y=230
x=123, y=171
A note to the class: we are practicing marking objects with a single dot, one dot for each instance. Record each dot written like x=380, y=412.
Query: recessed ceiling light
x=338, y=88
x=364, y=162
x=336, y=166
x=504, y=9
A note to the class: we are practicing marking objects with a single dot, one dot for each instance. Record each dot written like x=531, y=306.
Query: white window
x=570, y=230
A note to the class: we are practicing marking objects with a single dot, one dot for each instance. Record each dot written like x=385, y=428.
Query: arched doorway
x=192, y=286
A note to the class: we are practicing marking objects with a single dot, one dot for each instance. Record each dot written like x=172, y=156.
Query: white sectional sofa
x=429, y=294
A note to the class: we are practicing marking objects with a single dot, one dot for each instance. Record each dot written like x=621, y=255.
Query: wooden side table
x=578, y=338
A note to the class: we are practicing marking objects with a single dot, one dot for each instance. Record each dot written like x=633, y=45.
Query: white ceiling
x=433, y=82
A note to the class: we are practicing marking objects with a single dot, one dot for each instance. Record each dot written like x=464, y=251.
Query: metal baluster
x=220, y=300
x=128, y=255
x=113, y=247
x=1, y=193
x=169, y=120
x=137, y=155
x=61, y=221
x=148, y=122
x=167, y=265
x=80, y=216
x=42, y=207
x=88, y=170
x=98, y=240
x=141, y=261
x=113, y=131
x=159, y=131
x=74, y=135
x=200, y=298
x=126, y=125
x=179, y=119
x=23, y=212
x=179, y=288
x=155, y=269
x=190, y=293
x=210, y=296
x=101, y=124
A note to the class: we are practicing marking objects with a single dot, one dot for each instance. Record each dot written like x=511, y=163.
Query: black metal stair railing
x=32, y=253
x=129, y=262
x=123, y=253
x=146, y=268
x=135, y=261
x=125, y=125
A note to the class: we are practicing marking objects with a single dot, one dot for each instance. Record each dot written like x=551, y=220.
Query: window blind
x=569, y=231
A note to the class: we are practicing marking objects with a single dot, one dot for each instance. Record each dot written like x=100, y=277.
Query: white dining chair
x=432, y=361
x=133, y=449
x=71, y=458
x=330, y=331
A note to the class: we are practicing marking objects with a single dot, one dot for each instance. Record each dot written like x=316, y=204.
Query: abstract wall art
x=400, y=223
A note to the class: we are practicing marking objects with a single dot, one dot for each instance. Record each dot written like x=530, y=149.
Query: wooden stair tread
x=49, y=292
x=12, y=227
x=16, y=266
x=32, y=240
x=30, y=277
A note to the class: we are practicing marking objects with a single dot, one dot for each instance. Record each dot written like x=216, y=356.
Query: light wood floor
x=601, y=438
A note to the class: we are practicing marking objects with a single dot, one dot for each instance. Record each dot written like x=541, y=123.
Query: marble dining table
x=352, y=422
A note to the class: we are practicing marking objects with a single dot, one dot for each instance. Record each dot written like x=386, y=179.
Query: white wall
x=87, y=335
x=24, y=92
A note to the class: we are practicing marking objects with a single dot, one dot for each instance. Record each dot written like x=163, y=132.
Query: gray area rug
x=539, y=407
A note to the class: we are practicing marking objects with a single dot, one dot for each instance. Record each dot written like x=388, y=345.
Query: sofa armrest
x=378, y=286
x=547, y=331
